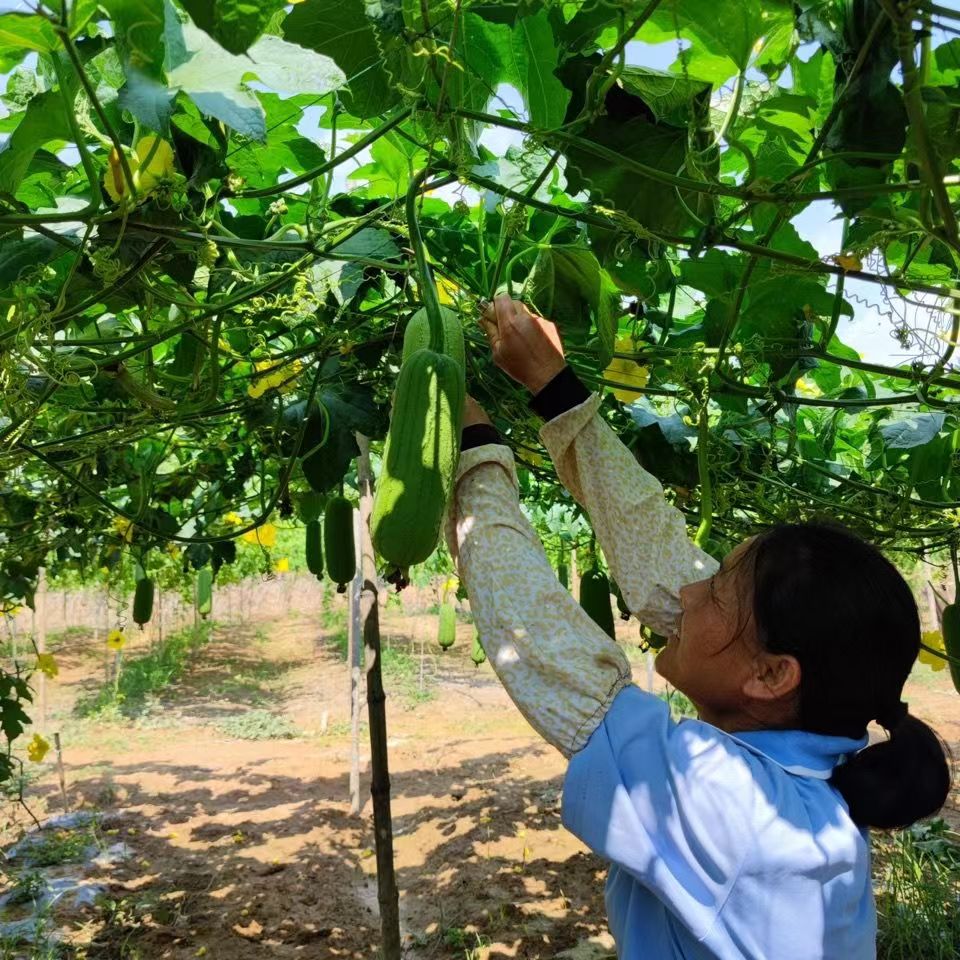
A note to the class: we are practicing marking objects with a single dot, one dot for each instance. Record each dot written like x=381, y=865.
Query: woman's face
x=714, y=652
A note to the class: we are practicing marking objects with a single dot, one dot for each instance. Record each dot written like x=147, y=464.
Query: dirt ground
x=242, y=849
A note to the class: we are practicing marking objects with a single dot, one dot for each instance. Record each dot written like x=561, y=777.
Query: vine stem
x=309, y=175
x=428, y=289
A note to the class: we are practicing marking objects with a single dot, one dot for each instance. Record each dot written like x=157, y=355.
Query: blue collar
x=800, y=752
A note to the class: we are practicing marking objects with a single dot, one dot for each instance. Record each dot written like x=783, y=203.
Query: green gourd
x=563, y=575
x=478, y=655
x=417, y=335
x=950, y=623
x=419, y=459
x=205, y=592
x=447, y=626
x=595, y=599
x=143, y=601
x=314, y=548
x=338, y=542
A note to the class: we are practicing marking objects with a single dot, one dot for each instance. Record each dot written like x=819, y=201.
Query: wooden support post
x=354, y=666
x=387, y=894
x=40, y=638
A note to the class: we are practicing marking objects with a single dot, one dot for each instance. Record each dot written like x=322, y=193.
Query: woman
x=741, y=834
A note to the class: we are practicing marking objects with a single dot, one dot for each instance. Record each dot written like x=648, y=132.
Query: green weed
x=917, y=879
x=259, y=725
x=143, y=677
x=59, y=846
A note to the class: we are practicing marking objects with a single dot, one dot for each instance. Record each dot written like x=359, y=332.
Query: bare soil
x=247, y=849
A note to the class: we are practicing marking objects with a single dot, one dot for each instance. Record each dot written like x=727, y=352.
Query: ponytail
x=835, y=603
x=896, y=782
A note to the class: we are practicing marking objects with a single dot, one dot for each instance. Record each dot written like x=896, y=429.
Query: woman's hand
x=473, y=413
x=525, y=346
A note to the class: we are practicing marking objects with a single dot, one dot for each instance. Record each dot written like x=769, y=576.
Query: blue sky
x=869, y=331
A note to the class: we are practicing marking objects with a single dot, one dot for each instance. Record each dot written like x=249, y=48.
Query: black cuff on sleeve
x=478, y=434
x=562, y=393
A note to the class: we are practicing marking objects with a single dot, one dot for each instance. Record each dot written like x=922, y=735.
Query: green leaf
x=234, y=24
x=912, y=431
x=725, y=38
x=150, y=101
x=534, y=60
x=22, y=32
x=570, y=287
x=667, y=95
x=340, y=29
x=138, y=26
x=45, y=119
x=215, y=79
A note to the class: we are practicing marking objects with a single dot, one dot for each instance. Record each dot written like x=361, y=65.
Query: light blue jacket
x=721, y=846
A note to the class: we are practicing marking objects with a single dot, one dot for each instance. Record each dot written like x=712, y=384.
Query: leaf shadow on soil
x=255, y=864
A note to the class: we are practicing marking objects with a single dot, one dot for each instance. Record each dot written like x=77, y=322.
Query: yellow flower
x=849, y=261
x=265, y=535
x=447, y=291
x=273, y=376
x=808, y=388
x=116, y=640
x=146, y=173
x=283, y=565
x=626, y=373
x=124, y=527
x=934, y=639
x=37, y=748
x=234, y=518
x=47, y=663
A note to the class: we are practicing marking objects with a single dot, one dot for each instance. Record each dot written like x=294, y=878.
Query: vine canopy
x=205, y=263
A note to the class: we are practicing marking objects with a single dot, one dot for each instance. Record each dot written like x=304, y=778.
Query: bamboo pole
x=387, y=894
x=354, y=663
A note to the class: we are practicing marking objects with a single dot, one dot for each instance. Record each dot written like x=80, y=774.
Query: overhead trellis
x=205, y=267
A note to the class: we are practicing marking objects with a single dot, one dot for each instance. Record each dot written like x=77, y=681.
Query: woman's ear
x=775, y=676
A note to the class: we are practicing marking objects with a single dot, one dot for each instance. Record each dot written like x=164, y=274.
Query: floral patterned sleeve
x=560, y=669
x=644, y=539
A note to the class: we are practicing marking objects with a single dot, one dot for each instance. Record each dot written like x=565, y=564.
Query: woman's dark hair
x=833, y=601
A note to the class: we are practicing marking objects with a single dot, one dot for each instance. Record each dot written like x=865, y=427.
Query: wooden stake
x=354, y=665
x=387, y=895
x=40, y=638
x=60, y=771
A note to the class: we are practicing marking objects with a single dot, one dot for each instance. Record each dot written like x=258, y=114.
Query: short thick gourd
x=314, y=548
x=338, y=542
x=447, y=626
x=417, y=335
x=419, y=458
x=478, y=655
x=595, y=599
x=563, y=575
x=205, y=592
x=143, y=601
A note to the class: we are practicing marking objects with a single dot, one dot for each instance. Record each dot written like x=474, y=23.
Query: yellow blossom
x=283, y=565
x=848, y=261
x=234, y=518
x=273, y=376
x=265, y=535
x=116, y=640
x=933, y=639
x=124, y=527
x=626, y=373
x=807, y=388
x=37, y=748
x=47, y=663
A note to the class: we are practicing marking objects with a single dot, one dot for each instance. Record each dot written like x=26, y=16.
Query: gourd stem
x=428, y=290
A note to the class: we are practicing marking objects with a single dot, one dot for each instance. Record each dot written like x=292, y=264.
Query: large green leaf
x=534, y=58
x=45, y=119
x=21, y=33
x=570, y=287
x=339, y=29
x=216, y=80
x=912, y=431
x=234, y=24
x=726, y=37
